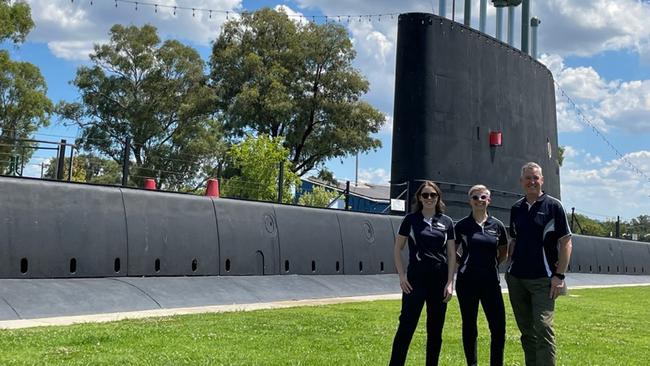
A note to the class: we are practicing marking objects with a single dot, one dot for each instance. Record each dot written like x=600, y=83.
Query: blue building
x=364, y=197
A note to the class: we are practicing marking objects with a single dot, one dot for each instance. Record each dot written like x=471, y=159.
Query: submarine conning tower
x=469, y=109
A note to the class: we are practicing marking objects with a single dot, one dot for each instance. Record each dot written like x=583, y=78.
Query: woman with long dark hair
x=430, y=275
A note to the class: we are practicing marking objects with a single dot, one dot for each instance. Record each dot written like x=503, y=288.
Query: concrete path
x=44, y=302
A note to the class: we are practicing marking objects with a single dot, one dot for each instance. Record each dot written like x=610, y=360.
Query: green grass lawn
x=593, y=327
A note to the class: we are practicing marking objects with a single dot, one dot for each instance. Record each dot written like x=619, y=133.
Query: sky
x=598, y=52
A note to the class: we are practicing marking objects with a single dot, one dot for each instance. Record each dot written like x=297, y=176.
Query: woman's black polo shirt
x=536, y=230
x=427, y=240
x=479, y=245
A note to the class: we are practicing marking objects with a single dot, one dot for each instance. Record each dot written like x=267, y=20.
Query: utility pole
x=125, y=161
x=280, y=181
x=60, y=166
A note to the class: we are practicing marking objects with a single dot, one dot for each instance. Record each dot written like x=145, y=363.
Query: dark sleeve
x=503, y=236
x=561, y=222
x=511, y=229
x=450, y=230
x=405, y=227
x=457, y=233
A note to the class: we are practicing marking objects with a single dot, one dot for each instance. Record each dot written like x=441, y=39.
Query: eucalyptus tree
x=154, y=94
x=276, y=76
x=24, y=105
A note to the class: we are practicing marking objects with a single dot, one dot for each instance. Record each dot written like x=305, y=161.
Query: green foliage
x=277, y=77
x=15, y=20
x=88, y=168
x=257, y=162
x=640, y=226
x=154, y=94
x=318, y=197
x=588, y=226
x=24, y=107
x=344, y=334
x=327, y=175
x=560, y=155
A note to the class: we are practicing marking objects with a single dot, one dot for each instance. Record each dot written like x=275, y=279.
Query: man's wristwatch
x=559, y=275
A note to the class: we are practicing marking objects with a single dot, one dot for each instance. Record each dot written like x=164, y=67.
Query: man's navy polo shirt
x=536, y=232
x=479, y=245
x=427, y=240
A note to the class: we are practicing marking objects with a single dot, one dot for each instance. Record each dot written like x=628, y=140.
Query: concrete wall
x=58, y=230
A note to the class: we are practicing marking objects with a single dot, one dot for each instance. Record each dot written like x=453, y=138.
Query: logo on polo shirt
x=439, y=226
x=491, y=232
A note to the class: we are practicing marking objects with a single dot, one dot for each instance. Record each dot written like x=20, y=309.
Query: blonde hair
x=478, y=187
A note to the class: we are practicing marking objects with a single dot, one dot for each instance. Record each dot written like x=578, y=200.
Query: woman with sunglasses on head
x=483, y=243
x=430, y=274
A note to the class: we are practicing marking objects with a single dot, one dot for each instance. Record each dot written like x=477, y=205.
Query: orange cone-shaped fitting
x=150, y=183
x=212, y=189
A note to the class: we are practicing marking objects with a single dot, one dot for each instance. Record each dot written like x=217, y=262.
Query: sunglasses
x=483, y=197
x=427, y=195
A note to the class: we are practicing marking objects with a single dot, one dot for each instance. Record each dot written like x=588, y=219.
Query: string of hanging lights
x=175, y=9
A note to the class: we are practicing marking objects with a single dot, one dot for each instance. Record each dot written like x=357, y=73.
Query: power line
x=313, y=17
x=596, y=131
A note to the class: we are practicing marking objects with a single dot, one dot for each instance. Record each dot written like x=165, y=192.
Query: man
x=540, y=249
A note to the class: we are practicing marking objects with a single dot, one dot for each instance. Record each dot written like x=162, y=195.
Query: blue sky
x=598, y=51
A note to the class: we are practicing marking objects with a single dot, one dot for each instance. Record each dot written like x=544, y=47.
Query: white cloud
x=579, y=158
x=293, y=15
x=593, y=26
x=387, y=128
x=372, y=43
x=610, y=189
x=592, y=159
x=567, y=119
x=583, y=83
x=68, y=27
x=375, y=176
x=628, y=106
x=72, y=50
x=606, y=104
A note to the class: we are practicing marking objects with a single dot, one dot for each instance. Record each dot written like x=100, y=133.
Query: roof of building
x=373, y=192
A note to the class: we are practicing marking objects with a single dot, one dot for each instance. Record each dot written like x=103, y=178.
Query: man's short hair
x=531, y=165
